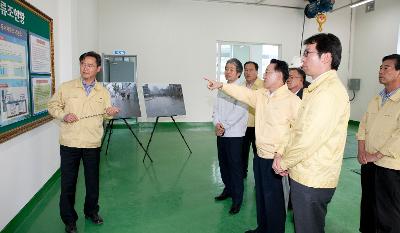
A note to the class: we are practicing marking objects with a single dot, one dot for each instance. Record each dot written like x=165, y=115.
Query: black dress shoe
x=234, y=209
x=251, y=231
x=95, y=218
x=71, y=228
x=222, y=196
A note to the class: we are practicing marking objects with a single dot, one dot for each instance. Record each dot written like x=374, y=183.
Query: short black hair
x=251, y=62
x=327, y=43
x=237, y=63
x=91, y=54
x=281, y=66
x=395, y=57
x=301, y=72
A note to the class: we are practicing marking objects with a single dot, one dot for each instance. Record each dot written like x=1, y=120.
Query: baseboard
x=28, y=208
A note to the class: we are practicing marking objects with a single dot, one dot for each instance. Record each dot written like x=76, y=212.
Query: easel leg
x=137, y=139
x=181, y=134
x=109, y=135
x=151, y=136
x=105, y=133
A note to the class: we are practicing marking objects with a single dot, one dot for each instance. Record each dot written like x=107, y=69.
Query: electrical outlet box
x=354, y=84
x=370, y=6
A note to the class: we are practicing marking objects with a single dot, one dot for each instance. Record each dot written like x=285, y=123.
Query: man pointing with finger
x=275, y=111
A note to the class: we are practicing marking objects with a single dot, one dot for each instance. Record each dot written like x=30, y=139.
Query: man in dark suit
x=297, y=81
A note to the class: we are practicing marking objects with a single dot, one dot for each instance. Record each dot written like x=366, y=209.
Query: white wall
x=175, y=43
x=29, y=160
x=337, y=23
x=175, y=40
x=375, y=36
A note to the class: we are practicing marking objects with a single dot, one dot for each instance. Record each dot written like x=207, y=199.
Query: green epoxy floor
x=176, y=192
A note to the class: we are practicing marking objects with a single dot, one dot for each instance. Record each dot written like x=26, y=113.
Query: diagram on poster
x=124, y=96
x=14, y=95
x=163, y=100
x=14, y=102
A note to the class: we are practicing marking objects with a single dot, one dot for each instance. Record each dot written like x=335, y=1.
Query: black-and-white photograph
x=124, y=96
x=163, y=100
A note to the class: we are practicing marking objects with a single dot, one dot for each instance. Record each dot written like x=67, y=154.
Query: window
x=259, y=53
x=398, y=42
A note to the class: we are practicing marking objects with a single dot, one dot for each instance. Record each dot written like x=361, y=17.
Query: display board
x=124, y=95
x=163, y=100
x=26, y=67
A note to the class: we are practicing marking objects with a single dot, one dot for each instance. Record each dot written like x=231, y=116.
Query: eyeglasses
x=293, y=77
x=85, y=65
x=306, y=53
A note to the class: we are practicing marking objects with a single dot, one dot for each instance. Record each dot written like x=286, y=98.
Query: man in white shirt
x=230, y=121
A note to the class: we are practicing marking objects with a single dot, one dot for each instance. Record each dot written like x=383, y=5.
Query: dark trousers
x=387, y=191
x=249, y=139
x=270, y=202
x=367, y=208
x=309, y=207
x=70, y=161
x=230, y=165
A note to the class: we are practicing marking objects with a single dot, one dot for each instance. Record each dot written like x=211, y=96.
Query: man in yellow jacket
x=81, y=106
x=276, y=110
x=253, y=83
x=313, y=156
x=379, y=153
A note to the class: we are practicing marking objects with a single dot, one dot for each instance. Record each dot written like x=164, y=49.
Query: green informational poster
x=26, y=67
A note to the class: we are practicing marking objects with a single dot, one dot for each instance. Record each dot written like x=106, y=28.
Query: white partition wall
x=29, y=160
x=175, y=40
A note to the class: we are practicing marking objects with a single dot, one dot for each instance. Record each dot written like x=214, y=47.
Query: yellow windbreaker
x=314, y=154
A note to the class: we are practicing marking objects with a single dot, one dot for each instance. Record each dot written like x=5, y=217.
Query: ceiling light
x=359, y=3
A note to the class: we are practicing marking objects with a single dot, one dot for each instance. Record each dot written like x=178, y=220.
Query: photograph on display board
x=124, y=96
x=14, y=94
x=163, y=100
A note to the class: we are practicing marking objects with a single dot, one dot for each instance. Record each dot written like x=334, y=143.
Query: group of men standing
x=304, y=139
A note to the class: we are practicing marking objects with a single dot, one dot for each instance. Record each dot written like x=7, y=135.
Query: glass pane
x=270, y=51
x=222, y=68
x=226, y=50
x=260, y=53
x=398, y=42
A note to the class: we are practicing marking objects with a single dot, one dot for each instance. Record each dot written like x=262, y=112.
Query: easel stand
x=109, y=128
x=154, y=128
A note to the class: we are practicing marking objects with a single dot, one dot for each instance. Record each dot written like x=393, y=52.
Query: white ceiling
x=281, y=3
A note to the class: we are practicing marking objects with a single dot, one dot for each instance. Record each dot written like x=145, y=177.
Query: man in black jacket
x=297, y=81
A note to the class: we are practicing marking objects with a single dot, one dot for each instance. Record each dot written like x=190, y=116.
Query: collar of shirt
x=88, y=87
x=385, y=96
x=297, y=91
x=320, y=79
x=250, y=85
x=321, y=75
x=278, y=91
